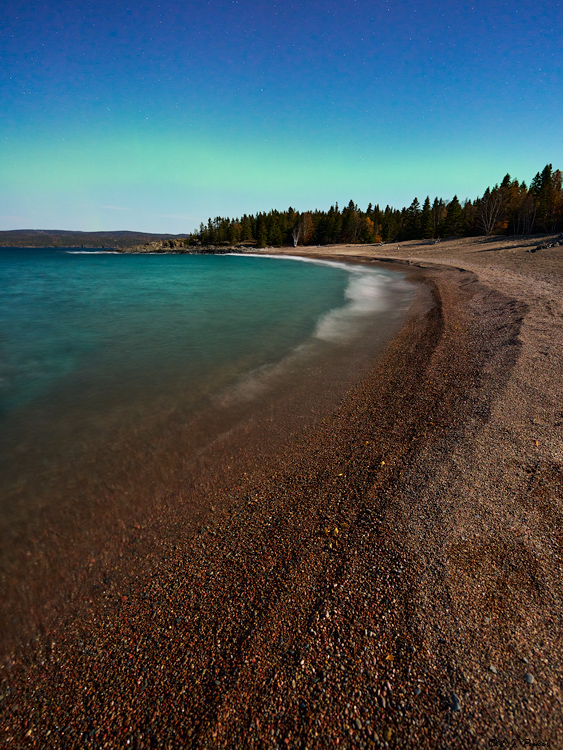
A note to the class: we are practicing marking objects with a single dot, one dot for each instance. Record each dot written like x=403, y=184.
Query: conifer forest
x=511, y=208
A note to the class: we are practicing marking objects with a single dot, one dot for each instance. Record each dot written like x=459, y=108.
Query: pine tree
x=351, y=224
x=453, y=223
x=246, y=229
x=426, y=223
x=546, y=188
x=261, y=231
x=438, y=215
x=275, y=236
x=413, y=229
x=469, y=216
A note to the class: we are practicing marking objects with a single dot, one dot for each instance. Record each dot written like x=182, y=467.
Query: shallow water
x=117, y=372
x=112, y=323
x=87, y=335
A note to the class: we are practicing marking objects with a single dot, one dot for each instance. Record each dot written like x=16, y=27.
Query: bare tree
x=489, y=209
x=303, y=230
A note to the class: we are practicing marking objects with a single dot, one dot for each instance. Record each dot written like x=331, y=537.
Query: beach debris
x=544, y=246
x=493, y=669
x=455, y=705
x=530, y=679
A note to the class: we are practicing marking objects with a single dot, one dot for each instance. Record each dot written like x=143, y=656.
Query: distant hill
x=61, y=238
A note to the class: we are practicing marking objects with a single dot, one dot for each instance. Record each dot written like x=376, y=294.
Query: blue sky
x=154, y=116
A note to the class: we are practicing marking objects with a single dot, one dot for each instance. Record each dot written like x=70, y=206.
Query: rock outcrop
x=184, y=246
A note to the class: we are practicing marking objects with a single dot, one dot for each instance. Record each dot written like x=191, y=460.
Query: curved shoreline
x=358, y=590
x=60, y=526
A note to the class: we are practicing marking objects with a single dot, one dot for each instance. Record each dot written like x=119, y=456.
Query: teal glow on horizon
x=377, y=105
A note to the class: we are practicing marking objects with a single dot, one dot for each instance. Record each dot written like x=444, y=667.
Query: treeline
x=509, y=208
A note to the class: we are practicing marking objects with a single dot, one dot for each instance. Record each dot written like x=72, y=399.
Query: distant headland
x=61, y=238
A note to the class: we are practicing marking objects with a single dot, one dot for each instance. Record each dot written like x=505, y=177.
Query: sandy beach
x=387, y=576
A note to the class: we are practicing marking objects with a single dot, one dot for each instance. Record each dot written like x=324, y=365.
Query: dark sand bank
x=390, y=574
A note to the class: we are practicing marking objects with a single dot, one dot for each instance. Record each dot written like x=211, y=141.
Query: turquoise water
x=106, y=360
x=133, y=383
x=115, y=325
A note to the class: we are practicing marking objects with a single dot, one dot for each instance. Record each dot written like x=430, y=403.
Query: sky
x=153, y=116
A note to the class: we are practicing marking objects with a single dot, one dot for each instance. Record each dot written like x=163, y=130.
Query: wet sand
x=390, y=575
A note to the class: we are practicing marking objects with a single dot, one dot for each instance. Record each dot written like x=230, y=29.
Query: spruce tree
x=438, y=215
x=261, y=231
x=246, y=229
x=275, y=236
x=453, y=223
x=426, y=223
x=413, y=229
x=547, y=191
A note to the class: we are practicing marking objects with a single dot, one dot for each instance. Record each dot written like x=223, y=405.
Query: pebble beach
x=386, y=575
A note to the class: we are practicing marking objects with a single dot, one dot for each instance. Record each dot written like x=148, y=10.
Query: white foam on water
x=370, y=292
x=317, y=261
x=366, y=293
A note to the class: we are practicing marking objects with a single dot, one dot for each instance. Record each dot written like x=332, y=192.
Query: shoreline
x=409, y=541
x=64, y=523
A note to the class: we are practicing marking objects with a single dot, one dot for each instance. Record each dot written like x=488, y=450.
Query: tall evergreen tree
x=546, y=188
x=246, y=229
x=426, y=223
x=261, y=231
x=453, y=223
x=413, y=229
x=275, y=236
x=438, y=215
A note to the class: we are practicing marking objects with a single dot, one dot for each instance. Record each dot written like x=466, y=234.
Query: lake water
x=117, y=370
